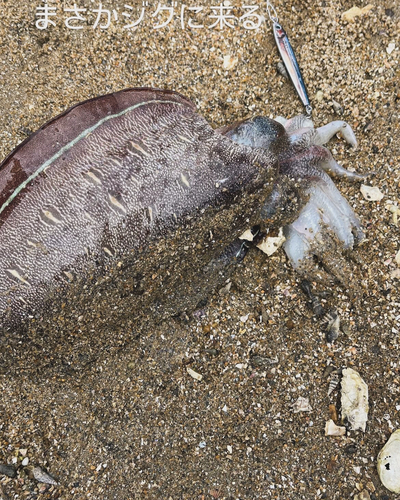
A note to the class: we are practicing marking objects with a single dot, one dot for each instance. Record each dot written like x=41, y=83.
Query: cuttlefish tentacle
x=326, y=221
x=301, y=124
x=322, y=158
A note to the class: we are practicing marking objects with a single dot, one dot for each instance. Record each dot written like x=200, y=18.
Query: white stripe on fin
x=116, y=203
x=185, y=139
x=93, y=177
x=17, y=275
x=108, y=251
x=48, y=217
x=185, y=180
x=136, y=146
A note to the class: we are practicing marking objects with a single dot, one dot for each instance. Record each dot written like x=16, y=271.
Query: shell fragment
x=302, y=404
x=194, y=374
x=354, y=400
x=354, y=12
x=229, y=62
x=331, y=429
x=270, y=244
x=389, y=463
x=371, y=193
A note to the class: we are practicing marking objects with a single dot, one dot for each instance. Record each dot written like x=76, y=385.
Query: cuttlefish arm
x=326, y=224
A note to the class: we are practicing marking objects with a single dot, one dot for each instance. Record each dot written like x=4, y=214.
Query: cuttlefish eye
x=317, y=219
x=124, y=181
x=259, y=132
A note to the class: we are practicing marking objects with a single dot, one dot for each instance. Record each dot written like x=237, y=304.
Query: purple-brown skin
x=114, y=205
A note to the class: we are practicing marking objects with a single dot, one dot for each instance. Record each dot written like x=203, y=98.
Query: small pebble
x=260, y=361
x=390, y=48
x=363, y=495
x=247, y=235
x=43, y=477
x=338, y=108
x=333, y=413
x=370, y=486
x=395, y=210
x=356, y=111
x=7, y=470
x=350, y=449
x=212, y=352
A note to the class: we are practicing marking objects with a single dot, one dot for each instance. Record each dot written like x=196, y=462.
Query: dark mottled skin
x=129, y=218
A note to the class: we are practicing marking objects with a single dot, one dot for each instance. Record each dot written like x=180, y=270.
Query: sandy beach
x=115, y=412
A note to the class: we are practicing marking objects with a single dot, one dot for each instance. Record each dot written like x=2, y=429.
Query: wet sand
x=116, y=415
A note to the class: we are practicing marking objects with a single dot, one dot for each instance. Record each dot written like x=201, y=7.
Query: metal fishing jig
x=289, y=58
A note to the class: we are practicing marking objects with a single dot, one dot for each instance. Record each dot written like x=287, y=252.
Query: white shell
x=247, y=235
x=302, y=404
x=389, y=463
x=270, y=244
x=194, y=374
x=350, y=14
x=229, y=62
x=331, y=429
x=354, y=400
x=371, y=193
